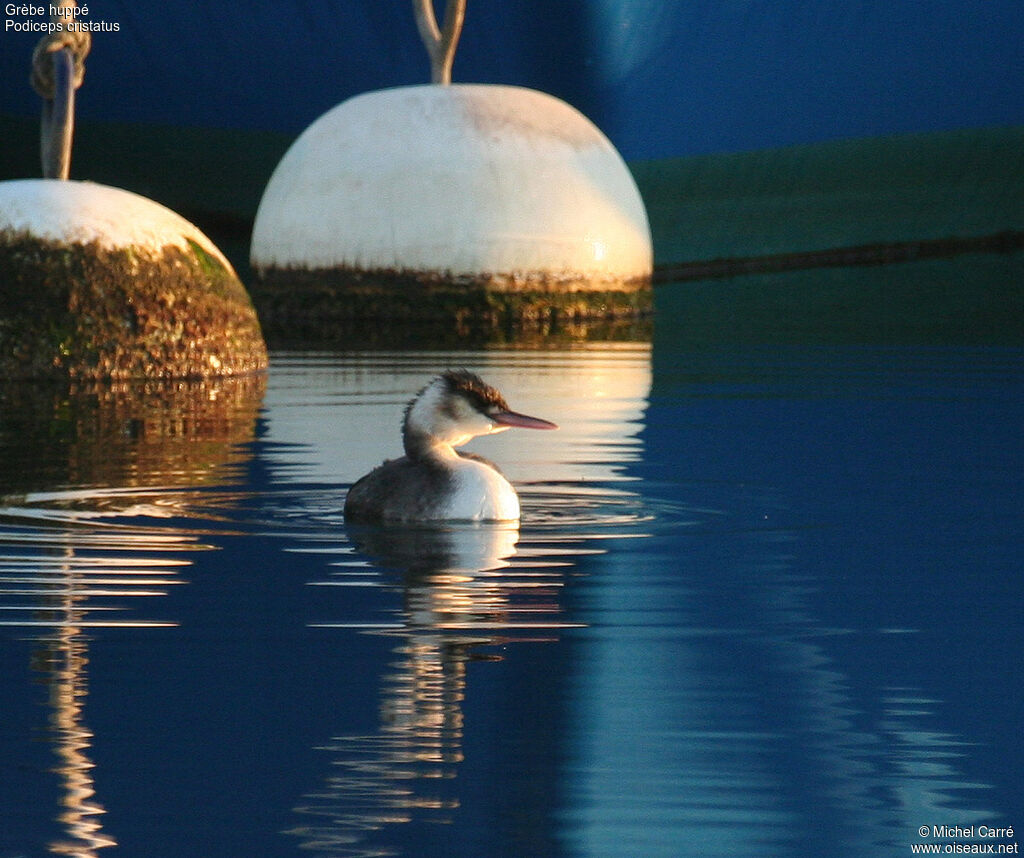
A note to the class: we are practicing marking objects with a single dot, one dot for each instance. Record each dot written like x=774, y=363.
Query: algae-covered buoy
x=97, y=282
x=434, y=200
x=100, y=283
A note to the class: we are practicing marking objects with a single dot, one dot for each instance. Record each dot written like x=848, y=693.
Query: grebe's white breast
x=479, y=493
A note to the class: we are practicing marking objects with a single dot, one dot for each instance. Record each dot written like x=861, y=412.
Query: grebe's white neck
x=442, y=417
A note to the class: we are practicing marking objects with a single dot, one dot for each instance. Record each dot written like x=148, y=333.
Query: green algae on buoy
x=100, y=283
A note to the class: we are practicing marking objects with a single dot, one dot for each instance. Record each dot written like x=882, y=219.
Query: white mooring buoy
x=505, y=184
x=443, y=200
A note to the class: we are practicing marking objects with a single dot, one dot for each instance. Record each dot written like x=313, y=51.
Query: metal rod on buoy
x=440, y=42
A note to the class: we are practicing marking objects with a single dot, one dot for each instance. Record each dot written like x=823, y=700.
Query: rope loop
x=42, y=76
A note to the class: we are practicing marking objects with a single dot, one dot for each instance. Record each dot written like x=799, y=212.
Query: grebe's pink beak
x=523, y=421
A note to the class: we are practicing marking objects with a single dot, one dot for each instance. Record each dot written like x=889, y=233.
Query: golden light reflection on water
x=60, y=594
x=459, y=592
x=126, y=434
x=465, y=592
x=120, y=463
x=65, y=661
x=79, y=469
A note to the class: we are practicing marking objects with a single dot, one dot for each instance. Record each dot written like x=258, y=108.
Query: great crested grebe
x=433, y=481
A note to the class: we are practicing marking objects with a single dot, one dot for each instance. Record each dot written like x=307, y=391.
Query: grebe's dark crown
x=458, y=382
x=481, y=395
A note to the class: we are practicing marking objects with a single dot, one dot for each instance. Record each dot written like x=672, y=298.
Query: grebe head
x=455, y=407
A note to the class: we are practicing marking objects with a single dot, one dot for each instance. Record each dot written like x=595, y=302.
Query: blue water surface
x=764, y=600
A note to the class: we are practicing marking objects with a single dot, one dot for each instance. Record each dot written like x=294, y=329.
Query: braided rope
x=43, y=78
x=58, y=68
